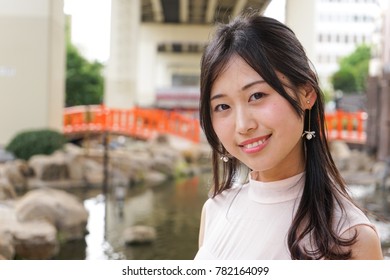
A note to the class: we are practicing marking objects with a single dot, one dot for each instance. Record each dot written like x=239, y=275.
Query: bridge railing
x=146, y=123
x=347, y=126
x=136, y=122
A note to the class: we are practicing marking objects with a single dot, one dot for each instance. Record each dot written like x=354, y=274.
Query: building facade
x=156, y=47
x=341, y=26
x=32, y=65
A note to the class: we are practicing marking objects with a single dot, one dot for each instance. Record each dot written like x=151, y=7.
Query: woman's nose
x=245, y=121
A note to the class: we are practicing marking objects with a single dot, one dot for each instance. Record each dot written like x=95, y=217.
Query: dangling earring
x=225, y=157
x=309, y=134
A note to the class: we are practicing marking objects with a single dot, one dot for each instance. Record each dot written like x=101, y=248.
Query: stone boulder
x=118, y=178
x=76, y=166
x=7, y=250
x=381, y=172
x=136, y=235
x=165, y=158
x=132, y=163
x=61, y=209
x=341, y=154
x=73, y=149
x=17, y=172
x=93, y=172
x=50, y=167
x=154, y=178
x=26, y=240
x=359, y=161
x=35, y=240
x=7, y=190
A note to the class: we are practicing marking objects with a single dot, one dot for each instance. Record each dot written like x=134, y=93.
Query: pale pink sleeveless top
x=252, y=221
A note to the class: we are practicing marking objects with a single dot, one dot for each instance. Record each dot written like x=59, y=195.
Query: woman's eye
x=256, y=96
x=221, y=107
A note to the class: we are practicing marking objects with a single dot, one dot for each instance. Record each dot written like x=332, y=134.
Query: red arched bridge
x=146, y=123
x=135, y=122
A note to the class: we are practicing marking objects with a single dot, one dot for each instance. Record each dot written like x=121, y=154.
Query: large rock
x=7, y=190
x=165, y=158
x=81, y=167
x=7, y=250
x=76, y=166
x=35, y=240
x=132, y=163
x=381, y=171
x=50, y=167
x=26, y=240
x=17, y=172
x=7, y=223
x=164, y=165
x=93, y=172
x=341, y=154
x=139, y=235
x=118, y=178
x=359, y=161
x=61, y=209
x=154, y=178
x=73, y=149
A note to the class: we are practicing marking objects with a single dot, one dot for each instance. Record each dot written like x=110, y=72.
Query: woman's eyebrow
x=216, y=96
x=221, y=95
x=252, y=84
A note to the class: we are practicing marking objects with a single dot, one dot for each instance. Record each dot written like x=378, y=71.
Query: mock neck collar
x=276, y=191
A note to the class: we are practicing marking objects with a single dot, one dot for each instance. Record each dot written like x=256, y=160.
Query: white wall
x=32, y=64
x=300, y=17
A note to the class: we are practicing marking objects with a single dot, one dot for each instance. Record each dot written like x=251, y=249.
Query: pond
x=174, y=209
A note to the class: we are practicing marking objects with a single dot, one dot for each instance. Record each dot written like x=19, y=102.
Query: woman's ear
x=308, y=96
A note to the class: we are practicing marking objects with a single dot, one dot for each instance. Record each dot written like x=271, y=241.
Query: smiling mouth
x=256, y=143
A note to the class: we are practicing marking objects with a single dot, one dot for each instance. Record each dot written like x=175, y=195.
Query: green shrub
x=28, y=143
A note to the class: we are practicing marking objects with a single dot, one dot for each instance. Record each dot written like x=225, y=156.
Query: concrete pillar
x=32, y=66
x=384, y=121
x=374, y=113
x=147, y=73
x=300, y=17
x=121, y=77
x=153, y=69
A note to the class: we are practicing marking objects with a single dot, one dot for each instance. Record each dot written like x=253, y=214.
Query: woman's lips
x=254, y=145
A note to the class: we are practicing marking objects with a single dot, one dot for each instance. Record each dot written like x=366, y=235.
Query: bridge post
x=105, y=165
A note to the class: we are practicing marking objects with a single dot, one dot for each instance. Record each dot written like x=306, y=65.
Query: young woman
x=262, y=111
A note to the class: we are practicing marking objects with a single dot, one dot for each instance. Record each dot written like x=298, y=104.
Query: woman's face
x=256, y=124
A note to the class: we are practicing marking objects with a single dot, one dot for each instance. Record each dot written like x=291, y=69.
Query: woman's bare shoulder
x=367, y=245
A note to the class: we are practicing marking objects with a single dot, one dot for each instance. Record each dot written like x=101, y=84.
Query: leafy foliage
x=344, y=80
x=28, y=143
x=84, y=79
x=353, y=72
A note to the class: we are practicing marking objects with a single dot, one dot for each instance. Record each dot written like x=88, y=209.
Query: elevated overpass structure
x=196, y=12
x=157, y=44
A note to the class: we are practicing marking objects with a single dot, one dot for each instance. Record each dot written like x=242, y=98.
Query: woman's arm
x=201, y=228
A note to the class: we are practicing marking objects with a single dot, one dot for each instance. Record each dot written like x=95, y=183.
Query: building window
x=179, y=80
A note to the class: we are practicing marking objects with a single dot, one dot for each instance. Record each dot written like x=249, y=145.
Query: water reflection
x=173, y=209
x=95, y=241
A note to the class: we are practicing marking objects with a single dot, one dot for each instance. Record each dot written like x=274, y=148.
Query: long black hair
x=269, y=46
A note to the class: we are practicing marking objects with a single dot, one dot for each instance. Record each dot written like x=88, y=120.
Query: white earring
x=224, y=158
x=309, y=134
